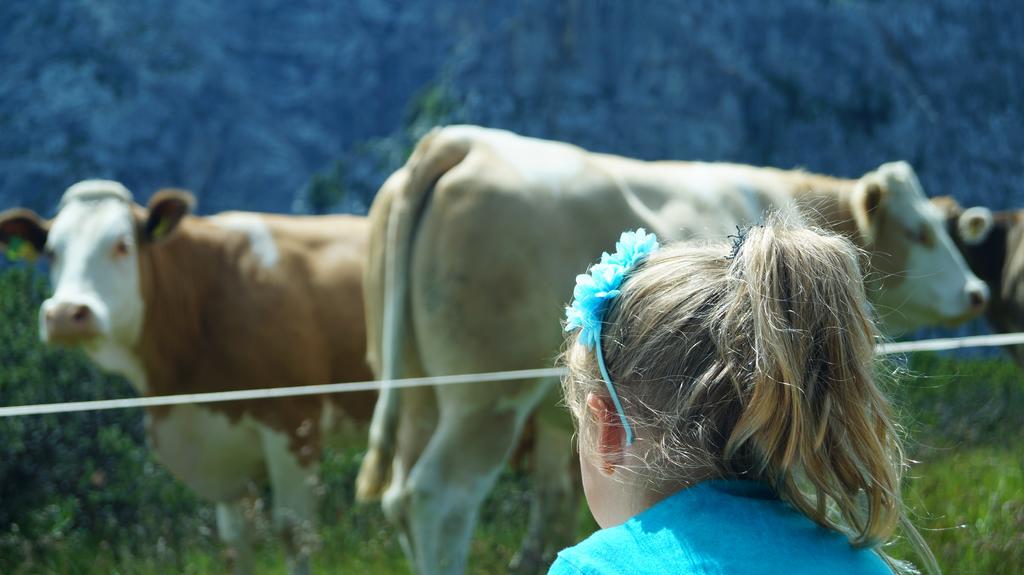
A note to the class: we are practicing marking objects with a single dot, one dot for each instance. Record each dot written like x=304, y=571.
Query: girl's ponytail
x=812, y=422
x=756, y=364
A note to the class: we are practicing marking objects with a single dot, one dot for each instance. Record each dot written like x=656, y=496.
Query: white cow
x=474, y=246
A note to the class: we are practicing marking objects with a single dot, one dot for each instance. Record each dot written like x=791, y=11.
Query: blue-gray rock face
x=836, y=87
x=239, y=102
x=242, y=102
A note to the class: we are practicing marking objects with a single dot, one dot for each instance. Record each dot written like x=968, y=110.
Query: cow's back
x=511, y=224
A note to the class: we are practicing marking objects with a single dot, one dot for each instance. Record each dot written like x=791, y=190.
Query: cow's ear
x=948, y=206
x=22, y=234
x=166, y=210
x=867, y=202
x=974, y=225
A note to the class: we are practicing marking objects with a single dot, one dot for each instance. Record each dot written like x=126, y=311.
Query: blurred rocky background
x=306, y=105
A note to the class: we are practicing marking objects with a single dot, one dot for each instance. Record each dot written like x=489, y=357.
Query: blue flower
x=595, y=289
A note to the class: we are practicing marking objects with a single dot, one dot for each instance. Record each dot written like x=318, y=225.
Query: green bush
x=68, y=479
x=326, y=189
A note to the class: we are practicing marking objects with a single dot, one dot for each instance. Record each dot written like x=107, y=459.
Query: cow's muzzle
x=977, y=296
x=69, y=324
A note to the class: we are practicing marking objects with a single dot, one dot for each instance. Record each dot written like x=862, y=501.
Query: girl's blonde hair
x=756, y=365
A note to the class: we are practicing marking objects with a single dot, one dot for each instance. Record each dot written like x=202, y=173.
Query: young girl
x=728, y=415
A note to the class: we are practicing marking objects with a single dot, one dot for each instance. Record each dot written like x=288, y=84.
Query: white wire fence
x=939, y=344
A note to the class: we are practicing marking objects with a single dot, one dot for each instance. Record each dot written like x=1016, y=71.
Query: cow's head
x=981, y=236
x=93, y=247
x=919, y=276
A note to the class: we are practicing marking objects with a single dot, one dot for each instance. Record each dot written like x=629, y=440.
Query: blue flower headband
x=595, y=289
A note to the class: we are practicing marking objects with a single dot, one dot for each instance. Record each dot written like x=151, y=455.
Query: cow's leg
x=235, y=529
x=294, y=499
x=417, y=422
x=556, y=496
x=459, y=466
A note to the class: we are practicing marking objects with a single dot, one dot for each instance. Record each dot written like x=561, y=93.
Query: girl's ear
x=611, y=437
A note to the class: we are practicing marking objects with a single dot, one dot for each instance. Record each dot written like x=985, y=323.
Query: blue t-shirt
x=720, y=527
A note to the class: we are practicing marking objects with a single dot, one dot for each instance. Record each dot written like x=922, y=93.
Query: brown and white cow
x=183, y=304
x=474, y=246
x=993, y=245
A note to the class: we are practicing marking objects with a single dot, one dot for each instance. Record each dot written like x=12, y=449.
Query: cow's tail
x=408, y=192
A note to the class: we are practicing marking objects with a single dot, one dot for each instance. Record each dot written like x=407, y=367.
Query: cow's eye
x=50, y=255
x=120, y=248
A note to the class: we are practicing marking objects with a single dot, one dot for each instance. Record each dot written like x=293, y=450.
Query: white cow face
x=93, y=246
x=94, y=269
x=920, y=276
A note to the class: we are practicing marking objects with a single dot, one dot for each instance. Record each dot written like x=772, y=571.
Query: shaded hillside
x=242, y=103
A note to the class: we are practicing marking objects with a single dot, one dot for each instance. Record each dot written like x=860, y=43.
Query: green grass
x=966, y=424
